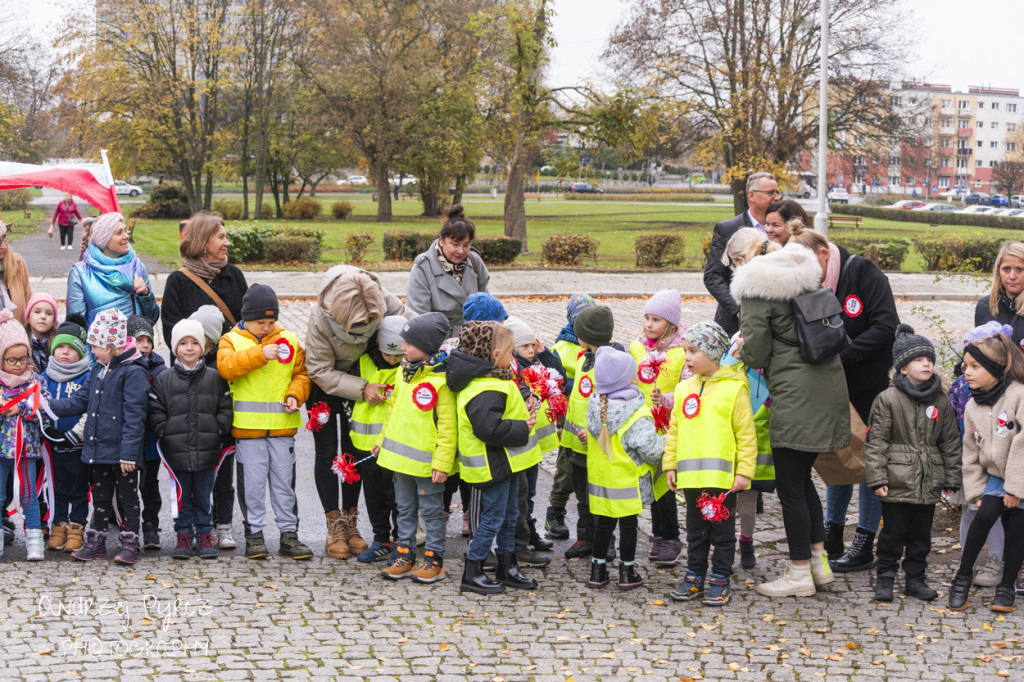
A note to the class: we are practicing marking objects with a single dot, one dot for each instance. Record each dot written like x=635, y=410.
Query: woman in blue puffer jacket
x=110, y=274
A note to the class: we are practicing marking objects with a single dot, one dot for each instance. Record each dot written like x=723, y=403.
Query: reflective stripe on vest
x=668, y=376
x=411, y=433
x=473, y=464
x=368, y=420
x=577, y=412
x=613, y=480
x=765, y=469
x=257, y=396
x=706, y=446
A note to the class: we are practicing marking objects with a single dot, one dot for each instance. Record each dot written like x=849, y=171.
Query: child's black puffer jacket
x=190, y=411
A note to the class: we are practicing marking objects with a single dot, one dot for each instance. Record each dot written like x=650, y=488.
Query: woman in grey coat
x=447, y=272
x=810, y=404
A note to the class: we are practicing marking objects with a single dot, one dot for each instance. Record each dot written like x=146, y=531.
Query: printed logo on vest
x=853, y=306
x=424, y=396
x=586, y=386
x=691, y=406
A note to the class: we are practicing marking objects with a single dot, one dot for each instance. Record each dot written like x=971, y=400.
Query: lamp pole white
x=821, y=217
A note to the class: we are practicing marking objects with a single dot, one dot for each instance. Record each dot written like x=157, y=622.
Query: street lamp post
x=821, y=217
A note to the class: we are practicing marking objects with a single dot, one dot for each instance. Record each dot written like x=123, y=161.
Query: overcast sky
x=957, y=43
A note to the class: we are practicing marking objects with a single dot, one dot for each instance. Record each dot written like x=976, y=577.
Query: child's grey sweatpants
x=273, y=460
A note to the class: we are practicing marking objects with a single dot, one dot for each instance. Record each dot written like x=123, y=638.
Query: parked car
x=802, y=191
x=908, y=204
x=584, y=188
x=1000, y=200
x=1007, y=212
x=123, y=188
x=838, y=195
x=356, y=180
x=975, y=210
x=1015, y=201
x=936, y=207
x=406, y=180
x=977, y=199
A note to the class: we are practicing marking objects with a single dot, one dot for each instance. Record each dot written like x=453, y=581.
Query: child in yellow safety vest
x=494, y=429
x=418, y=444
x=624, y=452
x=379, y=367
x=265, y=367
x=658, y=351
x=710, y=455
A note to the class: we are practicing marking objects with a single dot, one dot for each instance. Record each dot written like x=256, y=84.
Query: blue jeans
x=196, y=501
x=419, y=496
x=499, y=509
x=837, y=499
x=29, y=500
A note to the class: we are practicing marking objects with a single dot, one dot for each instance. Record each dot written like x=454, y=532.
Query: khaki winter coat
x=916, y=455
x=810, y=404
x=992, y=448
x=333, y=347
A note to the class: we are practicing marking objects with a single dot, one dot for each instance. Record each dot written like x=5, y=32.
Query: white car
x=838, y=195
x=936, y=207
x=123, y=188
x=974, y=210
x=1008, y=212
x=357, y=180
x=406, y=180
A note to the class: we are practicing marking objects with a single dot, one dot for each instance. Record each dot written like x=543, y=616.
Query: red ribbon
x=713, y=508
x=319, y=414
x=662, y=418
x=344, y=466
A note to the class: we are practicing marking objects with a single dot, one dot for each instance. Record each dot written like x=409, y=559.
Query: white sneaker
x=224, y=539
x=821, y=573
x=795, y=582
x=34, y=544
x=990, y=574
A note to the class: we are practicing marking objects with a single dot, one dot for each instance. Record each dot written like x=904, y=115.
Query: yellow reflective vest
x=473, y=464
x=765, y=470
x=613, y=479
x=421, y=432
x=368, y=420
x=576, y=414
x=668, y=376
x=258, y=397
x=569, y=353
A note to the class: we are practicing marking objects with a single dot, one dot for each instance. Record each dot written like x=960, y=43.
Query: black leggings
x=106, y=479
x=331, y=439
x=990, y=511
x=604, y=526
x=801, y=506
x=67, y=235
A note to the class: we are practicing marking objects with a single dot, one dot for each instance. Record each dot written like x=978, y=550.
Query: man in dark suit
x=762, y=190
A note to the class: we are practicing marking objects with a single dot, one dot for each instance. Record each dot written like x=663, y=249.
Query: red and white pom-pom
x=285, y=351
x=319, y=414
x=544, y=382
x=557, y=406
x=713, y=508
x=344, y=466
x=662, y=418
x=650, y=367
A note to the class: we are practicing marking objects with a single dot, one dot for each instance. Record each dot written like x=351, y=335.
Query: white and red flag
x=92, y=182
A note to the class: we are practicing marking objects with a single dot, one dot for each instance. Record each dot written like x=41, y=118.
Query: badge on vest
x=691, y=406
x=586, y=386
x=424, y=396
x=932, y=413
x=647, y=374
x=1003, y=424
x=285, y=351
x=853, y=306
x=388, y=390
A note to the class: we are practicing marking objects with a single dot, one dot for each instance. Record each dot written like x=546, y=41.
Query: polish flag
x=90, y=181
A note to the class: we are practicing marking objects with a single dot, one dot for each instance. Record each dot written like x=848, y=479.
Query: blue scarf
x=568, y=334
x=116, y=273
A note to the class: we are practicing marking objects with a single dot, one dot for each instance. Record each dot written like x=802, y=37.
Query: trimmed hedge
x=406, y=245
x=928, y=217
x=498, y=250
x=165, y=210
x=644, y=196
x=977, y=254
x=255, y=243
x=569, y=249
x=342, y=209
x=302, y=209
x=289, y=248
x=247, y=243
x=659, y=250
x=356, y=245
x=888, y=255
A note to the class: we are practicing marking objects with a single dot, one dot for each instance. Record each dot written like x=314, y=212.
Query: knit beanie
x=389, y=336
x=710, y=339
x=103, y=229
x=40, y=298
x=186, y=328
x=212, y=320
x=139, y=326
x=426, y=332
x=613, y=370
x=483, y=307
x=595, y=325
x=522, y=333
x=109, y=330
x=259, y=303
x=72, y=332
x=665, y=304
x=577, y=302
x=908, y=346
x=12, y=333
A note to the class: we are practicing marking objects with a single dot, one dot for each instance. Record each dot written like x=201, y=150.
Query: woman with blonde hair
x=1003, y=303
x=870, y=317
x=745, y=244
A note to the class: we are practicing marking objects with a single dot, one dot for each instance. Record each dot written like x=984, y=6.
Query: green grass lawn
x=616, y=225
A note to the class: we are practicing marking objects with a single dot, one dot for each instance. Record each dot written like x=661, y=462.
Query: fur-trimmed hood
x=778, y=276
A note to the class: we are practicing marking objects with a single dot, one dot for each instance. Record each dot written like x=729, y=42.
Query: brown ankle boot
x=355, y=541
x=337, y=548
x=75, y=537
x=58, y=536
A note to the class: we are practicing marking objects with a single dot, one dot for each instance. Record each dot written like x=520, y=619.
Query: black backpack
x=820, y=334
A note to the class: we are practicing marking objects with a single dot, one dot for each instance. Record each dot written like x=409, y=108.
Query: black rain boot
x=474, y=580
x=884, y=586
x=554, y=523
x=628, y=577
x=860, y=556
x=538, y=543
x=916, y=587
x=507, y=573
x=959, y=592
x=598, y=575
x=834, y=540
